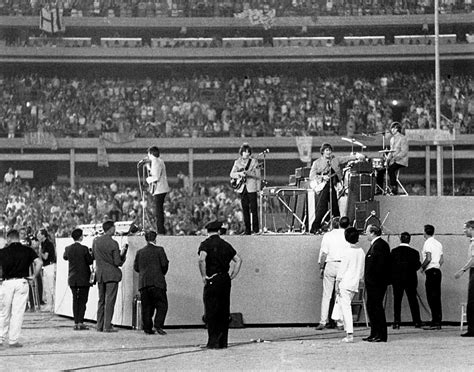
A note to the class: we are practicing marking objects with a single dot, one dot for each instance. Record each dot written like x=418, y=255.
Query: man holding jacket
x=108, y=274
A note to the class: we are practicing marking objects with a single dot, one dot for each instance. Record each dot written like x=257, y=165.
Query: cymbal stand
x=386, y=190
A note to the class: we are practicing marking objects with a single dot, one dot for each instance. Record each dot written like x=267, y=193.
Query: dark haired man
x=333, y=247
x=158, y=186
x=246, y=168
x=376, y=279
x=396, y=159
x=405, y=262
x=325, y=173
x=15, y=260
x=151, y=264
x=432, y=255
x=215, y=255
x=109, y=259
x=47, y=253
x=469, y=232
x=80, y=259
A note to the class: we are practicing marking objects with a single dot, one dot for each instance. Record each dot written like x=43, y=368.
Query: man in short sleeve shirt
x=16, y=260
x=215, y=256
x=432, y=256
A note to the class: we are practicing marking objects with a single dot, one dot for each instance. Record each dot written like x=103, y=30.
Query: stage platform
x=279, y=281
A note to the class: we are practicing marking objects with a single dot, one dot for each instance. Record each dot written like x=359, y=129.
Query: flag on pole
x=51, y=20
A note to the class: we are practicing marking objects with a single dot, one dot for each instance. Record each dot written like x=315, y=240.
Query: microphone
x=266, y=151
x=143, y=161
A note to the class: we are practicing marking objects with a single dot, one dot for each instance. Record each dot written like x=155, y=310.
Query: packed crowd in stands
x=59, y=209
x=227, y=8
x=244, y=106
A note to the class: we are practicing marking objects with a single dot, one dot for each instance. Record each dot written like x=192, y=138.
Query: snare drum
x=377, y=163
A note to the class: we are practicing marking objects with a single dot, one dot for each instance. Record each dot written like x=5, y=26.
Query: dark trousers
x=410, y=290
x=249, y=207
x=159, y=200
x=80, y=296
x=470, y=303
x=376, y=312
x=322, y=206
x=217, y=308
x=433, y=294
x=392, y=177
x=154, y=302
x=106, y=305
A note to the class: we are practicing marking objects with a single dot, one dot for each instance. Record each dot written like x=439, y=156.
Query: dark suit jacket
x=108, y=259
x=151, y=264
x=377, y=265
x=405, y=262
x=79, y=261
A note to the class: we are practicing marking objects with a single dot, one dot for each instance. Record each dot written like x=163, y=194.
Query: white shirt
x=351, y=269
x=436, y=249
x=334, y=245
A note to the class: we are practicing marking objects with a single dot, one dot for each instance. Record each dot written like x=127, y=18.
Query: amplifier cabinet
x=363, y=211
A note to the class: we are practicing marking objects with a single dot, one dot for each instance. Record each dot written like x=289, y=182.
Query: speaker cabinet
x=366, y=213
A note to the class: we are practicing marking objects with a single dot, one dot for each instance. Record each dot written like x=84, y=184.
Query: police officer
x=215, y=256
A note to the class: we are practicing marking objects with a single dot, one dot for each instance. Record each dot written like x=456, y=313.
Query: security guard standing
x=215, y=255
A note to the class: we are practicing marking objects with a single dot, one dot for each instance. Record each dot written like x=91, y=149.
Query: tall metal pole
x=439, y=159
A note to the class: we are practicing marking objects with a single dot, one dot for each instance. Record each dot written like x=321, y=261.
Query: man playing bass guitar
x=246, y=170
x=325, y=173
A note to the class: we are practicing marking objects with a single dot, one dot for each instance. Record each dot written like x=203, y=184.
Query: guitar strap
x=248, y=165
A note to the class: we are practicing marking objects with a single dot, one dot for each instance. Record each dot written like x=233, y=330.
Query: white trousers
x=344, y=300
x=13, y=298
x=49, y=276
x=329, y=280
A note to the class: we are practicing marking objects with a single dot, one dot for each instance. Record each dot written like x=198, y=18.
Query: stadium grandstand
x=87, y=86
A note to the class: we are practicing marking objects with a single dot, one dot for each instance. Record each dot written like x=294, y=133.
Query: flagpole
x=439, y=159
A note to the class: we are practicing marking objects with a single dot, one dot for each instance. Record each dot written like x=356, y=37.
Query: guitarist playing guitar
x=246, y=168
x=158, y=186
x=327, y=168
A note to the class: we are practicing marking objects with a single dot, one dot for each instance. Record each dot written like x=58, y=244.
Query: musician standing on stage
x=158, y=183
x=396, y=159
x=246, y=167
x=325, y=173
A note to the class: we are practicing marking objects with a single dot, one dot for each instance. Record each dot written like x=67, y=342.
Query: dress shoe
x=161, y=331
x=396, y=326
x=76, y=327
x=468, y=334
x=377, y=339
x=82, y=327
x=432, y=328
x=348, y=339
x=16, y=344
x=368, y=338
x=320, y=327
x=149, y=331
x=111, y=330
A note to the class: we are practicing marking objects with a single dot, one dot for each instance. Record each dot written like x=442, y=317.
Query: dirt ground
x=51, y=344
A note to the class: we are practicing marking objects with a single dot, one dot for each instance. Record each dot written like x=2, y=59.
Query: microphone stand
x=142, y=192
x=263, y=183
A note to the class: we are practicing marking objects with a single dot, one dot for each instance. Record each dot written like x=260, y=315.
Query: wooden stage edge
x=279, y=281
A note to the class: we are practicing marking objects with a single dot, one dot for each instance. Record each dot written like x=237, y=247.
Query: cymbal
x=386, y=151
x=354, y=141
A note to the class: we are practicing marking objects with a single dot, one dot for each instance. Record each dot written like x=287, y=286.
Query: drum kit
x=372, y=165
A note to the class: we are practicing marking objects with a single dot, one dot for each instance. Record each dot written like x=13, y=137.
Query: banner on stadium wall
x=41, y=139
x=102, y=157
x=429, y=135
x=258, y=17
x=51, y=20
x=305, y=145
